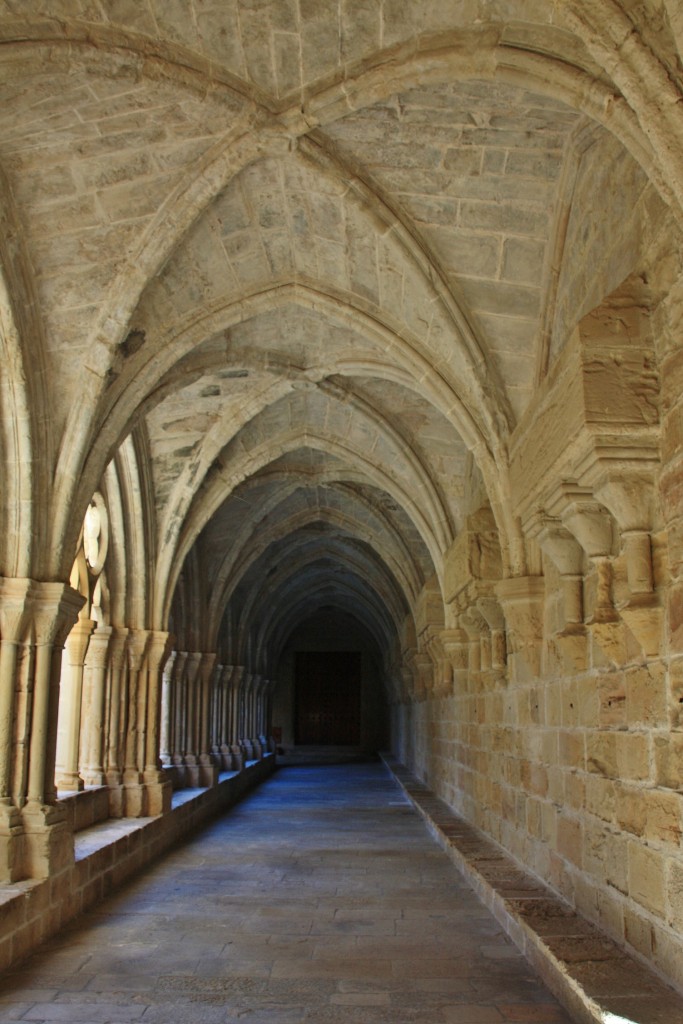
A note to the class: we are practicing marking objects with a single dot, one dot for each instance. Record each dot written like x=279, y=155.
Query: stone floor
x=321, y=897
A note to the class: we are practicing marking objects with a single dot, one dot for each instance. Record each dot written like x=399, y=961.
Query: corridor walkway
x=319, y=898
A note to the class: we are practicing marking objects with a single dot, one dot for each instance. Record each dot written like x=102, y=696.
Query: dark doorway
x=327, y=703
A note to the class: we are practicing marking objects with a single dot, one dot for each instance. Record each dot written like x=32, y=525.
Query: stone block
x=631, y=809
x=601, y=797
x=601, y=754
x=523, y=260
x=668, y=753
x=667, y=957
x=646, y=881
x=675, y=616
x=505, y=218
x=588, y=703
x=575, y=790
x=570, y=839
x=645, y=688
x=675, y=694
x=633, y=756
x=571, y=749
x=639, y=932
x=664, y=817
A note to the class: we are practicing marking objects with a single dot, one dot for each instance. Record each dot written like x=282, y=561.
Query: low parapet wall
x=592, y=976
x=108, y=854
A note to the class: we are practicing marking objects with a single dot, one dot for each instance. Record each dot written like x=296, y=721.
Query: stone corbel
x=456, y=646
x=442, y=672
x=422, y=675
x=566, y=554
x=492, y=612
x=474, y=625
x=593, y=528
x=628, y=496
x=522, y=599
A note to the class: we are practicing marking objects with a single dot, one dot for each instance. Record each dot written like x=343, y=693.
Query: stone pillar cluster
x=215, y=718
x=35, y=619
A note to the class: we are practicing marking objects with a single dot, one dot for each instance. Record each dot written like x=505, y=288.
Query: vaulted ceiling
x=314, y=257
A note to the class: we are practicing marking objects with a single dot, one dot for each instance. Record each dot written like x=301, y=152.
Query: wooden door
x=327, y=698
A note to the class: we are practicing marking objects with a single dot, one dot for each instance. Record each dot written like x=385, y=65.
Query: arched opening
x=329, y=699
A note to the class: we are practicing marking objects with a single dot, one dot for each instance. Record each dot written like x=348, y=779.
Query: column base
x=208, y=770
x=134, y=802
x=48, y=843
x=70, y=782
x=192, y=772
x=158, y=793
x=112, y=780
x=11, y=841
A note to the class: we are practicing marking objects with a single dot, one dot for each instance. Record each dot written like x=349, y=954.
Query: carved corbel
x=566, y=554
x=522, y=599
x=423, y=675
x=628, y=496
x=593, y=528
x=477, y=630
x=492, y=612
x=442, y=672
x=456, y=645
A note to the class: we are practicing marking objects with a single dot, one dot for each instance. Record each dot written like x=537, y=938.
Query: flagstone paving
x=319, y=898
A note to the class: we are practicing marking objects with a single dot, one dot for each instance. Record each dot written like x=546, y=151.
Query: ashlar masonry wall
x=567, y=745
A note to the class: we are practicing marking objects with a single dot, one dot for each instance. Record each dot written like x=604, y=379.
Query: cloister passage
x=341, y=406
x=320, y=897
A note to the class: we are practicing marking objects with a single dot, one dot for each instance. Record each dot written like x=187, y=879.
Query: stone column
x=178, y=743
x=190, y=758
x=157, y=789
x=116, y=721
x=167, y=707
x=92, y=707
x=70, y=701
x=209, y=767
x=14, y=619
x=245, y=716
x=133, y=783
x=235, y=691
x=216, y=731
x=225, y=723
x=265, y=723
x=47, y=843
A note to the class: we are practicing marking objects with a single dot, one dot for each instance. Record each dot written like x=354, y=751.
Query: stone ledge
x=106, y=855
x=594, y=978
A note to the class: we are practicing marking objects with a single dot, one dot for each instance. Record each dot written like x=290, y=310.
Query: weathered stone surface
x=346, y=326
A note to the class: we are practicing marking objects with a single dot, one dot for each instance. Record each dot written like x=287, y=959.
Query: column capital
x=98, y=648
x=14, y=608
x=158, y=648
x=54, y=609
x=136, y=648
x=77, y=641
